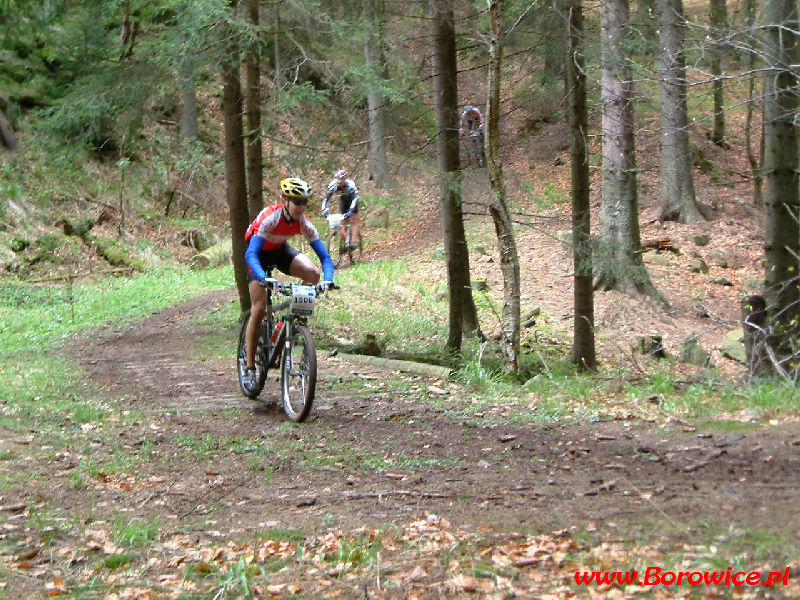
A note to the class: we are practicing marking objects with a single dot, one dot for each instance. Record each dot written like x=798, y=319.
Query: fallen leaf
x=28, y=554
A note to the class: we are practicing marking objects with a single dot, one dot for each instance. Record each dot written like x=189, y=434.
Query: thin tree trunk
x=276, y=38
x=446, y=109
x=7, y=133
x=719, y=25
x=756, y=162
x=188, y=125
x=236, y=189
x=375, y=62
x=618, y=264
x=678, y=202
x=128, y=31
x=583, y=349
x=646, y=19
x=254, y=154
x=554, y=47
x=501, y=215
x=781, y=191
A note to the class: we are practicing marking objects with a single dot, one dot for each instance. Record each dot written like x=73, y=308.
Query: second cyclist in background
x=348, y=204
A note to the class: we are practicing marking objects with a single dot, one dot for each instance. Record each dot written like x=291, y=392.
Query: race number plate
x=335, y=220
x=304, y=297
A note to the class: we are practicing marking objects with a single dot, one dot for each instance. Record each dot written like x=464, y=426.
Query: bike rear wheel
x=355, y=252
x=299, y=374
x=241, y=361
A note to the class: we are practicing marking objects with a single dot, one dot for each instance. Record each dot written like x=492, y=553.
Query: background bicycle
x=471, y=133
x=286, y=342
x=336, y=242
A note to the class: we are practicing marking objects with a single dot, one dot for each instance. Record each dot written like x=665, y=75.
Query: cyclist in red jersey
x=267, y=245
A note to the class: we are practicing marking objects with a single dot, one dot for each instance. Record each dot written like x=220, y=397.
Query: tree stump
x=651, y=345
x=754, y=327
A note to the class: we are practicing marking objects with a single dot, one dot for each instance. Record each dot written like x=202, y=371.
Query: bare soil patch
x=548, y=477
x=389, y=447
x=384, y=447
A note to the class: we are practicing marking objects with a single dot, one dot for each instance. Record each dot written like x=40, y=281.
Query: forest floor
x=460, y=504
x=383, y=448
x=475, y=506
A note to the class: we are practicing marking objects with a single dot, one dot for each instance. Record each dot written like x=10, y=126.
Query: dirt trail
x=548, y=477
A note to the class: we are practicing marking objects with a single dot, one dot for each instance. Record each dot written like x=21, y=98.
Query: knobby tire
x=299, y=374
x=337, y=259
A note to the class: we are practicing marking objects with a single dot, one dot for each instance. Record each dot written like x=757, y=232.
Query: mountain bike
x=285, y=342
x=353, y=253
x=474, y=146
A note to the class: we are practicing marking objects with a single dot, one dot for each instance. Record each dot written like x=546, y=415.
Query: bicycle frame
x=339, y=231
x=273, y=351
x=290, y=348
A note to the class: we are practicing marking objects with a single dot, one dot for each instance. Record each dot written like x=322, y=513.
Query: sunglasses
x=299, y=201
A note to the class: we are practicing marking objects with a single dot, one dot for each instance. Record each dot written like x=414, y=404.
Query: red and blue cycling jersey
x=271, y=230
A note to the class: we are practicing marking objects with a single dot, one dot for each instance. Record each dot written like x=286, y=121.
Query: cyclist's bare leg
x=303, y=268
x=346, y=230
x=354, y=228
x=258, y=301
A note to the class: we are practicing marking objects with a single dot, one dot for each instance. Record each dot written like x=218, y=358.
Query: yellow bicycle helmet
x=295, y=188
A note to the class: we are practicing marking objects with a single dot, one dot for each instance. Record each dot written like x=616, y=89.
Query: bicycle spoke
x=299, y=374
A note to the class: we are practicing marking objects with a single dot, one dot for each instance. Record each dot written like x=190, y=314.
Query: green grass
x=37, y=321
x=134, y=533
x=393, y=301
x=361, y=551
x=115, y=561
x=236, y=580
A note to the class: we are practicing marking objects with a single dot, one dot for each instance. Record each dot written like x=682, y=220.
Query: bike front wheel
x=241, y=361
x=333, y=238
x=299, y=373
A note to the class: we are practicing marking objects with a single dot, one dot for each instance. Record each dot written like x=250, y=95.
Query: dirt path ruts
x=547, y=477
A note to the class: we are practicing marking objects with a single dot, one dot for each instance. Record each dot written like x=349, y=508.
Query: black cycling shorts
x=280, y=257
x=344, y=206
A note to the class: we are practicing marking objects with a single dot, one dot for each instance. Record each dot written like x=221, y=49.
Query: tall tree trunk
x=719, y=26
x=7, y=133
x=554, y=47
x=276, y=38
x=252, y=69
x=619, y=265
x=186, y=68
x=583, y=349
x=782, y=202
x=753, y=105
x=446, y=108
x=501, y=215
x=236, y=189
x=678, y=202
x=128, y=30
x=188, y=125
x=646, y=19
x=375, y=62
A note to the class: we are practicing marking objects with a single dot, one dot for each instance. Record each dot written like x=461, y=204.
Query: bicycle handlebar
x=285, y=289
